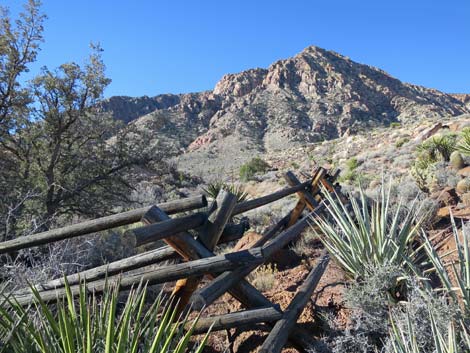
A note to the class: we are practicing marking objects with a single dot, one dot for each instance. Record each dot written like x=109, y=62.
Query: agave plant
x=459, y=288
x=463, y=146
x=371, y=235
x=214, y=188
x=94, y=325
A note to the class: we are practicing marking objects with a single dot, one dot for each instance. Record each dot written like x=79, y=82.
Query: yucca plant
x=454, y=277
x=372, y=235
x=438, y=146
x=214, y=188
x=403, y=339
x=463, y=145
x=92, y=324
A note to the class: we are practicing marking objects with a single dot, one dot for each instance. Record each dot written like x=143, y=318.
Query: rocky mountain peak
x=314, y=96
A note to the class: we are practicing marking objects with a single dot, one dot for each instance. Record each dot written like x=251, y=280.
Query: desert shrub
x=214, y=188
x=94, y=324
x=463, y=145
x=422, y=171
x=40, y=264
x=395, y=125
x=352, y=164
x=425, y=323
x=251, y=168
x=264, y=277
x=350, y=174
x=370, y=300
x=401, y=141
x=373, y=235
x=304, y=245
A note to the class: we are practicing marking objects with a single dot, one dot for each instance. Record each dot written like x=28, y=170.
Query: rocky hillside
x=314, y=96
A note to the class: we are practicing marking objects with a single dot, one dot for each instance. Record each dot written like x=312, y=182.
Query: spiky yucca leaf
x=370, y=236
x=91, y=324
x=463, y=145
x=438, y=146
x=214, y=188
x=402, y=338
x=458, y=290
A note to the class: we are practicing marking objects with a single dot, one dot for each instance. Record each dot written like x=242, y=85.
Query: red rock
x=445, y=197
x=464, y=172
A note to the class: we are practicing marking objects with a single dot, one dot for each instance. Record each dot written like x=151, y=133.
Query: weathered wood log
x=226, y=280
x=209, y=236
x=237, y=319
x=297, y=211
x=278, y=336
x=223, y=282
x=98, y=224
x=309, y=198
x=157, y=231
x=244, y=292
x=264, y=200
x=231, y=232
x=137, y=261
x=160, y=275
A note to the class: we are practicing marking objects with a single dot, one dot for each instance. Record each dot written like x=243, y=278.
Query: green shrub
x=352, y=164
x=251, y=168
x=94, y=325
x=350, y=174
x=395, y=125
x=401, y=141
x=422, y=171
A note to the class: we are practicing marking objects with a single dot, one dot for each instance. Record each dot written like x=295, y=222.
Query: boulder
x=464, y=172
x=446, y=197
x=463, y=186
x=424, y=135
x=456, y=160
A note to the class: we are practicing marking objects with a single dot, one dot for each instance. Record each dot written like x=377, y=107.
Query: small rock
x=464, y=172
x=247, y=241
x=456, y=160
x=463, y=186
x=466, y=199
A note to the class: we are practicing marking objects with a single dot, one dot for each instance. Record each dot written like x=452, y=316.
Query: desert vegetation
x=399, y=241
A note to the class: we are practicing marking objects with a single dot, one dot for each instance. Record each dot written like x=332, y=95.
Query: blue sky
x=154, y=47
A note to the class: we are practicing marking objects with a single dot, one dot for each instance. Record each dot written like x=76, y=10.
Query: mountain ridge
x=313, y=96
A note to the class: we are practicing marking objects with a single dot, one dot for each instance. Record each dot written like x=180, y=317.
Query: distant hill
x=314, y=96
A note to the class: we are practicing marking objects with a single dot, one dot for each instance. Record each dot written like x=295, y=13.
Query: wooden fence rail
x=193, y=238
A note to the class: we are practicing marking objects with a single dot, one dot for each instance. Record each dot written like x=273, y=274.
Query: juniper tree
x=60, y=155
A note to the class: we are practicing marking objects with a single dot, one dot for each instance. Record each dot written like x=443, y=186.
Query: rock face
x=313, y=96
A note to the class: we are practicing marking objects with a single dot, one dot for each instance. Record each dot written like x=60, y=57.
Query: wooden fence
x=210, y=226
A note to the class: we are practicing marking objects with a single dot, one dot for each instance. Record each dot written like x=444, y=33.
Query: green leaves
x=438, y=146
x=463, y=145
x=214, y=188
x=89, y=324
x=370, y=235
x=455, y=277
